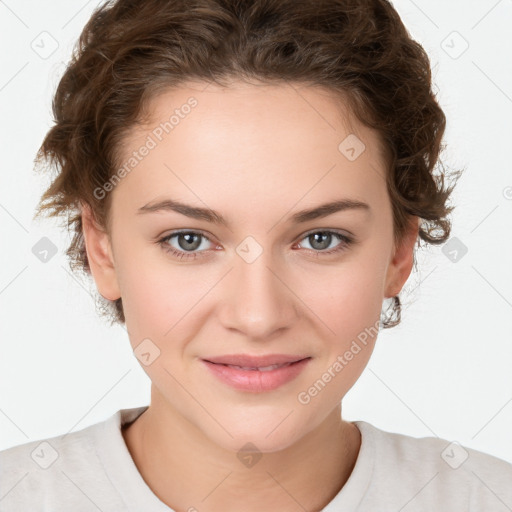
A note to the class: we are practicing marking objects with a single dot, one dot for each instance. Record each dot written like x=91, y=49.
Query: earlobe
x=401, y=265
x=99, y=255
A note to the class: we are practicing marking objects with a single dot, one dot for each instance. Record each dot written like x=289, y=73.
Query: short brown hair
x=131, y=49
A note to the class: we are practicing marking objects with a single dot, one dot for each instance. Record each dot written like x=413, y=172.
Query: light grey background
x=445, y=371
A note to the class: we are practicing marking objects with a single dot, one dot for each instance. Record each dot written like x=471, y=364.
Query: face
x=269, y=278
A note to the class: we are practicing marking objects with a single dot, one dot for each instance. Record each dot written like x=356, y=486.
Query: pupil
x=326, y=242
x=190, y=244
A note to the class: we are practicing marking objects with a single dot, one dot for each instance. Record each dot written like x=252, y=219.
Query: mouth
x=258, y=368
x=256, y=362
x=256, y=374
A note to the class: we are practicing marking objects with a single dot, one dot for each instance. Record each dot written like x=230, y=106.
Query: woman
x=248, y=181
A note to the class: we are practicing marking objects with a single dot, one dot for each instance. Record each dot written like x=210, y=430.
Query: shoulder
x=63, y=472
x=439, y=472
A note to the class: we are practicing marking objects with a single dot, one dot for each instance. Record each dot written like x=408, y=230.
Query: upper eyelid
x=185, y=231
x=326, y=230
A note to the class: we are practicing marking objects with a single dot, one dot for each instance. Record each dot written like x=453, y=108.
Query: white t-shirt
x=92, y=470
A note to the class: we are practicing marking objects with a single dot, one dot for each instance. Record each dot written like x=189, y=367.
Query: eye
x=320, y=241
x=185, y=242
x=191, y=244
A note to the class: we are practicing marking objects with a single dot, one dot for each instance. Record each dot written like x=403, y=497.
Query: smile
x=256, y=379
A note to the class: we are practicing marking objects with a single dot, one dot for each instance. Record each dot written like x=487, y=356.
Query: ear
x=403, y=260
x=100, y=256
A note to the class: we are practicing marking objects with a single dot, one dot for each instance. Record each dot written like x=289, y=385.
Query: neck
x=187, y=471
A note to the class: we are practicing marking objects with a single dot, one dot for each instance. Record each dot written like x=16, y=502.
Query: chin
x=270, y=432
x=271, y=444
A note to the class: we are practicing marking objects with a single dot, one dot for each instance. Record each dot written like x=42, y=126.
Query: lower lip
x=255, y=380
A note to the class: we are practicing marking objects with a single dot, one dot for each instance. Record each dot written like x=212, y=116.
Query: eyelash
x=345, y=243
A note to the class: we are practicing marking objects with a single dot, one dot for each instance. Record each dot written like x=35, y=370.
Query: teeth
x=261, y=369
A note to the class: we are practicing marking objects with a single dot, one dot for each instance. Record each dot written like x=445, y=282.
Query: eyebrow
x=214, y=217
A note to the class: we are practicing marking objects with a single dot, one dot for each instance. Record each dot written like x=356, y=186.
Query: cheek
x=346, y=297
x=148, y=291
x=160, y=298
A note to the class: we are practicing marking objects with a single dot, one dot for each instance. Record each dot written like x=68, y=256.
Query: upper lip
x=255, y=361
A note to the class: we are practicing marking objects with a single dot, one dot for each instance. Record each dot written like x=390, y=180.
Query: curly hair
x=130, y=50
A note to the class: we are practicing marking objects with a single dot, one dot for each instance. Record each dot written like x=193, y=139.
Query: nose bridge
x=258, y=302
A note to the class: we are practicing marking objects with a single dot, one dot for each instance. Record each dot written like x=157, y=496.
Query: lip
x=257, y=360
x=256, y=381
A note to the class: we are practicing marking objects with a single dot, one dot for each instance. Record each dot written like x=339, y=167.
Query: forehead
x=252, y=140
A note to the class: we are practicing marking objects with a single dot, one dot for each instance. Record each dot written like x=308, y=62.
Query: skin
x=256, y=154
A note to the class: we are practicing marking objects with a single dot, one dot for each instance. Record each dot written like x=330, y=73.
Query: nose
x=256, y=299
